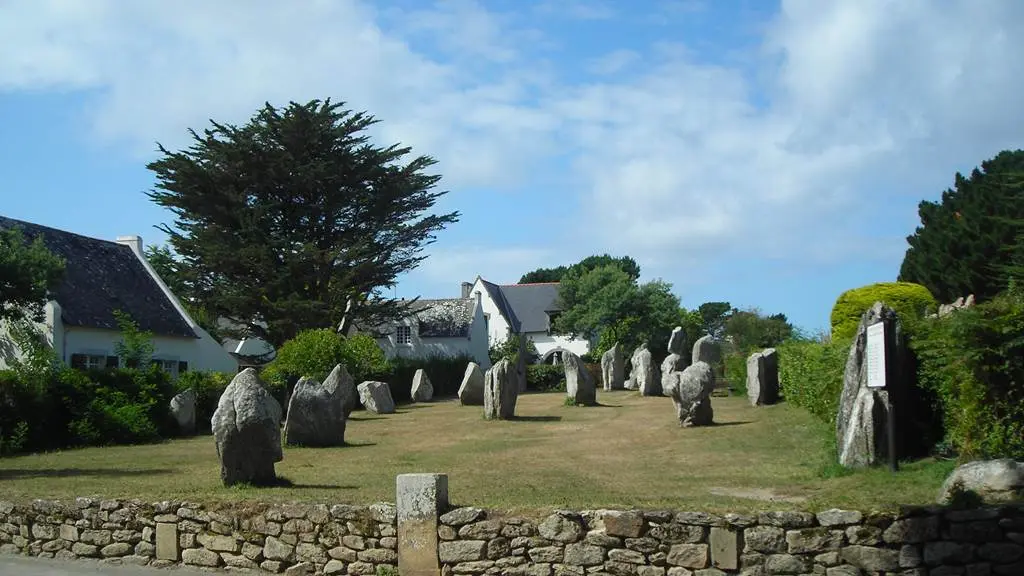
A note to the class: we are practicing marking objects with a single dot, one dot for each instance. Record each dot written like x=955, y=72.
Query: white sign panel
x=876, y=355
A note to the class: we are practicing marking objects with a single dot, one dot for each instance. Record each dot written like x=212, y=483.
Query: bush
x=445, y=373
x=208, y=387
x=973, y=362
x=735, y=365
x=545, y=378
x=910, y=301
x=314, y=353
x=811, y=374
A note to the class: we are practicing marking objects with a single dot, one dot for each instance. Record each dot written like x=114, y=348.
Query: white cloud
x=681, y=161
x=445, y=268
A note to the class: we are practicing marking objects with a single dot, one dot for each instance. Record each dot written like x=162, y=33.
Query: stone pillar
x=420, y=499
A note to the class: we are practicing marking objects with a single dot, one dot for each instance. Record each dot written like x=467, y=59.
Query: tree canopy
x=713, y=316
x=280, y=222
x=751, y=330
x=966, y=242
x=29, y=272
x=625, y=263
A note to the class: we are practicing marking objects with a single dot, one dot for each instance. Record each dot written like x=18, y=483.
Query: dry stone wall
x=293, y=539
x=919, y=542
x=342, y=539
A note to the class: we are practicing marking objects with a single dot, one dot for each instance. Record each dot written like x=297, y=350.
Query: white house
x=100, y=277
x=526, y=308
x=442, y=327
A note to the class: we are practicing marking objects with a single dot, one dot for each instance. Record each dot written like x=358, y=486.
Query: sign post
x=879, y=371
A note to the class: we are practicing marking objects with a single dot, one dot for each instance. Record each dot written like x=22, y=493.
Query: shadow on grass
x=741, y=423
x=283, y=482
x=536, y=419
x=13, y=473
x=365, y=419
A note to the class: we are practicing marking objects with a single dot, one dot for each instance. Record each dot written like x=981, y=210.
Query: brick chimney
x=467, y=287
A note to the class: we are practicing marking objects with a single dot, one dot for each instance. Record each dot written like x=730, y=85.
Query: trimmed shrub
x=811, y=374
x=973, y=362
x=546, y=378
x=445, y=373
x=735, y=365
x=909, y=300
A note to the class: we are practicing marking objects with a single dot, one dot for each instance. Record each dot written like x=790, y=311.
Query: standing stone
x=706, y=349
x=579, y=383
x=763, y=377
x=183, y=408
x=376, y=397
x=501, y=390
x=247, y=431
x=672, y=363
x=692, y=395
x=340, y=378
x=422, y=389
x=862, y=419
x=316, y=415
x=471, y=392
x=677, y=341
x=612, y=368
x=645, y=373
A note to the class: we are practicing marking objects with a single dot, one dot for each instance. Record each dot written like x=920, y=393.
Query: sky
x=769, y=154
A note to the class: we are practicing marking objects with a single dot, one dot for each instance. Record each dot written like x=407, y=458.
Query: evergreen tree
x=29, y=273
x=283, y=220
x=961, y=245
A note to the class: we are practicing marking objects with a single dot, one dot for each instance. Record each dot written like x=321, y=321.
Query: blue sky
x=771, y=154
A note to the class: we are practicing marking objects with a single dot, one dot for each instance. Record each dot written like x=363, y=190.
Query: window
x=95, y=361
x=487, y=323
x=403, y=334
x=169, y=366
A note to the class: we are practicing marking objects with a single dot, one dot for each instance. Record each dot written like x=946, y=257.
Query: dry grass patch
x=628, y=452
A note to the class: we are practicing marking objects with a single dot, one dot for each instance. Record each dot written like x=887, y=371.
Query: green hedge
x=973, y=362
x=445, y=373
x=208, y=387
x=736, y=372
x=811, y=374
x=545, y=378
x=66, y=407
x=909, y=300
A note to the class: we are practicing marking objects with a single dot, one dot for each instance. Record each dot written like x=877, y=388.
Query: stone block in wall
x=420, y=498
x=166, y=541
x=694, y=556
x=725, y=545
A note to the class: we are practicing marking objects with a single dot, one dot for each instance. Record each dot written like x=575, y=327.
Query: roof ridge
x=61, y=230
x=530, y=284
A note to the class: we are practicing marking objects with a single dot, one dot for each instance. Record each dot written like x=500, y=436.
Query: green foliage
x=314, y=353
x=909, y=300
x=750, y=330
x=385, y=570
x=29, y=273
x=37, y=357
x=508, y=349
x=208, y=387
x=736, y=372
x=135, y=348
x=973, y=361
x=713, y=316
x=285, y=219
x=811, y=374
x=68, y=407
x=570, y=401
x=176, y=276
x=445, y=373
x=960, y=246
x=625, y=263
x=545, y=378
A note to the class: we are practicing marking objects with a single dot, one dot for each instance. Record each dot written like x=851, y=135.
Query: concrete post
x=420, y=499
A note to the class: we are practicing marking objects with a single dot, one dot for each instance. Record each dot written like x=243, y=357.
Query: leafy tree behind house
x=170, y=270
x=29, y=273
x=627, y=264
x=135, y=348
x=283, y=220
x=965, y=242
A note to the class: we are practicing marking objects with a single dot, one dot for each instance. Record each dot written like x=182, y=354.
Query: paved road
x=25, y=566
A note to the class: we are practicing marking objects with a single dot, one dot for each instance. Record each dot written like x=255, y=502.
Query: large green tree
x=279, y=223
x=29, y=273
x=751, y=330
x=625, y=263
x=606, y=302
x=713, y=317
x=961, y=245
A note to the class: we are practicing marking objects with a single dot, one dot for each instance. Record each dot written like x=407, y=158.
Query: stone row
x=293, y=539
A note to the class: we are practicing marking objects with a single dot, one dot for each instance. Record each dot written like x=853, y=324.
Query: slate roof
x=102, y=276
x=444, y=317
x=498, y=297
x=530, y=303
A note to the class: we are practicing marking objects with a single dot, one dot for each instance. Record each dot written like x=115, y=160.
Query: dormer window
x=552, y=316
x=403, y=334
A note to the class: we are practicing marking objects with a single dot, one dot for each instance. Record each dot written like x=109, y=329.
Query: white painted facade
x=202, y=353
x=499, y=330
x=474, y=345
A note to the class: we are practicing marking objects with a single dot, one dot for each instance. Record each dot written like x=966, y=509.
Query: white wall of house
x=196, y=351
x=546, y=343
x=475, y=345
x=498, y=328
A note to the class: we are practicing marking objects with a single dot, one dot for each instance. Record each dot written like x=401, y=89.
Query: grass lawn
x=629, y=452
